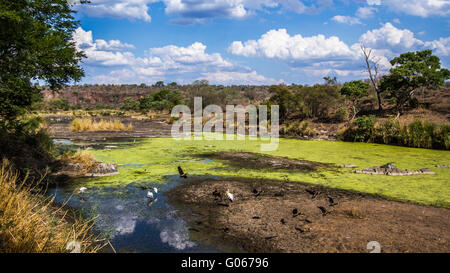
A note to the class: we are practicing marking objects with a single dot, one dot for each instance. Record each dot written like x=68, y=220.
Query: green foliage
x=362, y=130
x=341, y=114
x=35, y=44
x=217, y=96
x=303, y=101
x=130, y=104
x=59, y=104
x=365, y=127
x=355, y=89
x=389, y=132
x=162, y=100
x=316, y=101
x=284, y=98
x=159, y=84
x=410, y=72
x=418, y=134
x=295, y=128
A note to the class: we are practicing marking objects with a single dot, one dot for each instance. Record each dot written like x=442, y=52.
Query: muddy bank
x=273, y=216
x=261, y=161
x=59, y=127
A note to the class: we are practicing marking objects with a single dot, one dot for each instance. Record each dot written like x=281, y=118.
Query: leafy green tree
x=282, y=97
x=354, y=91
x=411, y=71
x=159, y=84
x=35, y=45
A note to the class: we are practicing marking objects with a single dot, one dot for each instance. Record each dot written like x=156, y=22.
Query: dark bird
x=312, y=192
x=256, y=217
x=295, y=211
x=194, y=229
x=283, y=221
x=323, y=210
x=216, y=193
x=181, y=172
x=331, y=201
x=254, y=191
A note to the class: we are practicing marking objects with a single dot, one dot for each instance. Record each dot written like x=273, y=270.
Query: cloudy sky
x=252, y=41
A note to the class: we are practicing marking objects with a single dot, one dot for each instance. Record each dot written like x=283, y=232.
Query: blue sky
x=253, y=41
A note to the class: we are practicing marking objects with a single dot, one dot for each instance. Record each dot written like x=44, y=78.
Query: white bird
x=150, y=194
x=155, y=190
x=81, y=190
x=229, y=195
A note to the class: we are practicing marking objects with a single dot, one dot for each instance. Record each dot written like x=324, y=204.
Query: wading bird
x=155, y=190
x=150, y=195
x=181, y=172
x=229, y=195
x=81, y=190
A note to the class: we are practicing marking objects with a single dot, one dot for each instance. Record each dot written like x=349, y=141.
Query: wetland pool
x=134, y=224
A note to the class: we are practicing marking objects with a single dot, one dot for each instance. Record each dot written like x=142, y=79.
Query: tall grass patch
x=30, y=223
x=88, y=124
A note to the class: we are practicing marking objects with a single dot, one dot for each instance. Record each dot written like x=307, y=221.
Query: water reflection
x=132, y=222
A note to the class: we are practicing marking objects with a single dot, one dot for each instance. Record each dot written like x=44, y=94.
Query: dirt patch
x=261, y=161
x=273, y=216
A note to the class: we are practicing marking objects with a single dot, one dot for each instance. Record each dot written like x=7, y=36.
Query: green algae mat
x=155, y=160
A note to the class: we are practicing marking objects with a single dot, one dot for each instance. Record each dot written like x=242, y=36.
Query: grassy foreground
x=29, y=223
x=151, y=160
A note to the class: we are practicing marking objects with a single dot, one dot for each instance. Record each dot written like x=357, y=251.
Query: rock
x=103, y=169
x=348, y=166
x=390, y=169
x=443, y=166
x=78, y=170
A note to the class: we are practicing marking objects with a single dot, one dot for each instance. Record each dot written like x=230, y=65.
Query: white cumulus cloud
x=349, y=20
x=423, y=8
x=390, y=37
x=278, y=44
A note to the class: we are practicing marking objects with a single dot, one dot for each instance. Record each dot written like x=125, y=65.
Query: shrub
x=59, y=104
x=341, y=114
x=130, y=104
x=365, y=127
x=420, y=134
x=389, y=132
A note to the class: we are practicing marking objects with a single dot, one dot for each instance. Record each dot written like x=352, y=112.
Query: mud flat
x=59, y=127
x=262, y=218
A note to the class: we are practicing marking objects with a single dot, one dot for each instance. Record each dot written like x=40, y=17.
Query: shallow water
x=135, y=225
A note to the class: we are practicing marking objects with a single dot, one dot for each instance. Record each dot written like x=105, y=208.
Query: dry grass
x=82, y=157
x=29, y=223
x=87, y=124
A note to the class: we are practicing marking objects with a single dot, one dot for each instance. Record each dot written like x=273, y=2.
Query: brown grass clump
x=82, y=157
x=30, y=223
x=87, y=124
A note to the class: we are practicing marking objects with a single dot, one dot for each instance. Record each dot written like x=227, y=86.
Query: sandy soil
x=261, y=218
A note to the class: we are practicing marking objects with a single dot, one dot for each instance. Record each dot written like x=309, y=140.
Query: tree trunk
x=380, y=107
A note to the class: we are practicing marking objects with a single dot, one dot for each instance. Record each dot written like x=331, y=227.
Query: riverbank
x=32, y=223
x=261, y=218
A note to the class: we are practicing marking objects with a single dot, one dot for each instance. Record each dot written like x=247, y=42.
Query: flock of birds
x=152, y=192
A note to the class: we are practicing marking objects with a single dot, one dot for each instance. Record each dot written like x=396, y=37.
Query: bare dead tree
x=373, y=70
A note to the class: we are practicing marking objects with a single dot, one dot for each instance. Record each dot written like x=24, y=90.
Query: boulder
x=390, y=169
